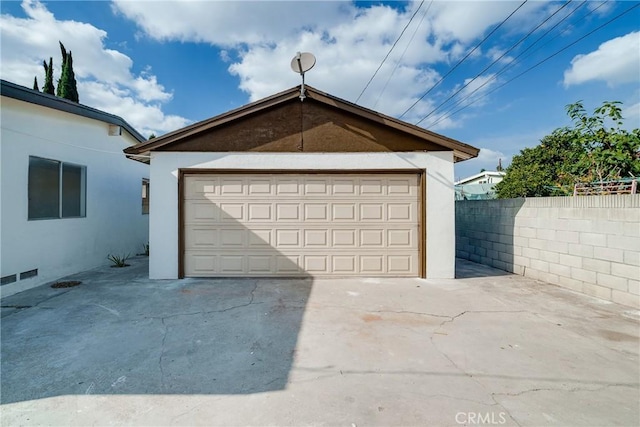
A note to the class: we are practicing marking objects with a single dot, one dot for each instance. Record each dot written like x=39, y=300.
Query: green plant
x=119, y=260
x=146, y=249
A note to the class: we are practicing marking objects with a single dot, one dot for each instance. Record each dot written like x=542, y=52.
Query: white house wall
x=114, y=223
x=440, y=209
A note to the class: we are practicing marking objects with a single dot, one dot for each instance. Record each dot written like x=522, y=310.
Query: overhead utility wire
x=403, y=52
x=390, y=50
x=463, y=59
x=493, y=63
x=541, y=62
x=515, y=60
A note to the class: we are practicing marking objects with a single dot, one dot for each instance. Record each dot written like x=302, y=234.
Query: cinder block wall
x=589, y=244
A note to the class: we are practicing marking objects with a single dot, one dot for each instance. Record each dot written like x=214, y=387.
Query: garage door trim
x=182, y=173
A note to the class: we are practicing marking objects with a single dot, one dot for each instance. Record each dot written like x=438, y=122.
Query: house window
x=56, y=189
x=145, y=196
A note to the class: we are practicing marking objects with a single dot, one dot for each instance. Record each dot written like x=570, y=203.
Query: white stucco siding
x=440, y=230
x=114, y=222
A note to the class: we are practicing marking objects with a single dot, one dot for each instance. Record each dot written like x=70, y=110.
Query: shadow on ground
x=468, y=270
x=120, y=333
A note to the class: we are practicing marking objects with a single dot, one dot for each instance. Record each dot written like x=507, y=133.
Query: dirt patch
x=67, y=284
x=371, y=318
x=618, y=336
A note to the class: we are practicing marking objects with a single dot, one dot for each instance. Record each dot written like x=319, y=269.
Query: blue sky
x=163, y=64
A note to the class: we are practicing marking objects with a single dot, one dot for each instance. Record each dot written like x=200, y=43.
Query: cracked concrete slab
x=486, y=348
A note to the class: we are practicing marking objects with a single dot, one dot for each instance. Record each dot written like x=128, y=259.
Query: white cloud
x=631, y=115
x=26, y=42
x=615, y=62
x=349, y=42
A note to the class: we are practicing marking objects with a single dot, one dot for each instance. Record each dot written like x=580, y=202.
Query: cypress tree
x=35, y=84
x=48, y=77
x=67, y=85
x=72, y=80
x=63, y=85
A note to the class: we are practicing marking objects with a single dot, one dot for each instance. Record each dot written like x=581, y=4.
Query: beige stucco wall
x=438, y=167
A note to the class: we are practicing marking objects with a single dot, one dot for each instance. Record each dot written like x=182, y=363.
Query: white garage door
x=298, y=224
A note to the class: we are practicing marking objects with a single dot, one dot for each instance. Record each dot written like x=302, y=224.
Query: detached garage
x=290, y=187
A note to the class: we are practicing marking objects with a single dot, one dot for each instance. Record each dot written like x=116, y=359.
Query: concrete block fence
x=590, y=244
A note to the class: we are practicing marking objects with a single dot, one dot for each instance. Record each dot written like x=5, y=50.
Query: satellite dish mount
x=301, y=63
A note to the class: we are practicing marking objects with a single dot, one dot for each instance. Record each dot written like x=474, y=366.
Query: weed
x=119, y=260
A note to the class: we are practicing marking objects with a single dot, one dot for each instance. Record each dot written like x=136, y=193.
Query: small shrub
x=119, y=260
x=146, y=249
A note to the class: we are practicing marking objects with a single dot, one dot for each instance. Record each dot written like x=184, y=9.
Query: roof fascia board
x=461, y=151
x=31, y=96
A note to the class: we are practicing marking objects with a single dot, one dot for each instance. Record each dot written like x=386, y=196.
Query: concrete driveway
x=488, y=348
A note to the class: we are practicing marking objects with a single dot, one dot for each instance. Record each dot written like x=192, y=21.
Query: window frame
x=82, y=192
x=145, y=196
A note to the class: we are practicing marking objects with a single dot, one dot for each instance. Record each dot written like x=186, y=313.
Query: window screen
x=56, y=189
x=44, y=188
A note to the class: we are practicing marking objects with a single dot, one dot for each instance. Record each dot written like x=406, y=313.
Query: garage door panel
x=202, y=211
x=288, y=238
x=316, y=238
x=404, y=212
x=372, y=238
x=201, y=188
x=316, y=187
x=288, y=187
x=343, y=212
x=316, y=264
x=344, y=238
x=232, y=186
x=260, y=212
x=232, y=238
x=287, y=225
x=372, y=264
x=288, y=264
x=260, y=264
x=201, y=264
x=287, y=212
x=260, y=238
x=259, y=187
x=400, y=264
x=344, y=264
x=202, y=236
x=314, y=212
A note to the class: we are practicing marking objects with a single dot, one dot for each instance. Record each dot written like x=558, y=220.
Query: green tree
x=595, y=148
x=48, y=77
x=545, y=170
x=153, y=135
x=67, y=85
x=611, y=151
x=35, y=84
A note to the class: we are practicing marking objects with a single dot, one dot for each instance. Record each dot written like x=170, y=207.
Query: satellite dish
x=301, y=63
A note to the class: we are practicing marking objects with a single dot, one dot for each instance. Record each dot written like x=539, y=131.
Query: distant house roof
x=25, y=94
x=413, y=138
x=485, y=174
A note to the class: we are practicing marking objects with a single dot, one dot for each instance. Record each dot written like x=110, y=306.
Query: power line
x=515, y=60
x=539, y=63
x=403, y=52
x=463, y=59
x=494, y=62
x=390, y=50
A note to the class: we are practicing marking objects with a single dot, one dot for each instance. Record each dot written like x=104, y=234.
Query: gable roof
x=483, y=174
x=165, y=142
x=25, y=94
